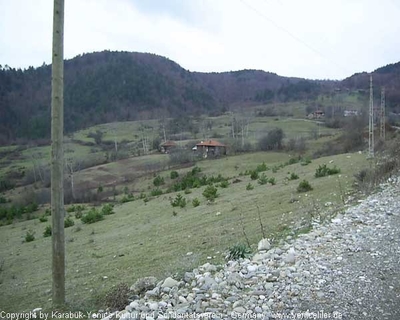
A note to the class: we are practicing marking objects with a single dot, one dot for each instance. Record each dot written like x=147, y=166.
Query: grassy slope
x=259, y=126
x=142, y=240
x=130, y=131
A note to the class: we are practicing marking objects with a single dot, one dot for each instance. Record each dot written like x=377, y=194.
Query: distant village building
x=316, y=115
x=210, y=147
x=351, y=113
x=166, y=146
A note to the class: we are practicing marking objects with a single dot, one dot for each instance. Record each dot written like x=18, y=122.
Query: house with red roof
x=166, y=146
x=210, y=147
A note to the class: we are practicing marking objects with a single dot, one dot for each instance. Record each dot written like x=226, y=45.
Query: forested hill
x=108, y=86
x=387, y=76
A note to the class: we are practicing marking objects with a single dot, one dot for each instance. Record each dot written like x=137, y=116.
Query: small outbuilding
x=319, y=114
x=350, y=113
x=210, y=147
x=167, y=146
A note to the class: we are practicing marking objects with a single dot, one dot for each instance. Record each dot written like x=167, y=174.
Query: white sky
x=304, y=38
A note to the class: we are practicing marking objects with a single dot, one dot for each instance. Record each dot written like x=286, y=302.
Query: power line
x=292, y=35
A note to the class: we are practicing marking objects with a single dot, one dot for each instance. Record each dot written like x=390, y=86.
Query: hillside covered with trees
x=119, y=86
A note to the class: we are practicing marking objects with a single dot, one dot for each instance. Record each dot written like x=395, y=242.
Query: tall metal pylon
x=371, y=146
x=382, y=115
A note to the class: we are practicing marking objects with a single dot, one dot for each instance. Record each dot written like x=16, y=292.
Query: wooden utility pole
x=371, y=146
x=57, y=154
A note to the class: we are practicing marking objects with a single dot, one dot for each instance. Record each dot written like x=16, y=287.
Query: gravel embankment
x=347, y=269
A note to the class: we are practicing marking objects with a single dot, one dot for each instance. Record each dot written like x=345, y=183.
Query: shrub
x=323, y=171
x=195, y=202
x=249, y=186
x=362, y=175
x=47, y=232
x=43, y=218
x=156, y=192
x=263, y=179
x=71, y=209
x=68, y=222
x=92, y=216
x=293, y=161
x=210, y=193
x=78, y=214
x=117, y=298
x=128, y=198
x=107, y=209
x=305, y=161
x=174, y=174
x=142, y=195
x=272, y=141
x=196, y=170
x=47, y=212
x=179, y=201
x=253, y=175
x=272, y=181
x=304, y=186
x=79, y=211
x=29, y=236
x=213, y=179
x=100, y=189
x=224, y=184
x=158, y=181
x=238, y=251
x=293, y=176
x=32, y=207
x=3, y=199
x=262, y=167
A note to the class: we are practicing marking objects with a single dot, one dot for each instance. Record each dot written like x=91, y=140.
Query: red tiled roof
x=210, y=143
x=168, y=143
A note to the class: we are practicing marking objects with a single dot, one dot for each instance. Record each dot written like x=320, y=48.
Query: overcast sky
x=305, y=38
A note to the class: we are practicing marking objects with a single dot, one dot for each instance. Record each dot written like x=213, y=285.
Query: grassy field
x=19, y=159
x=143, y=239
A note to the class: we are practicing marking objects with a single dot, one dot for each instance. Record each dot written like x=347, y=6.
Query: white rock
x=260, y=256
x=239, y=310
x=182, y=299
x=153, y=306
x=169, y=282
x=264, y=245
x=251, y=268
x=290, y=257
